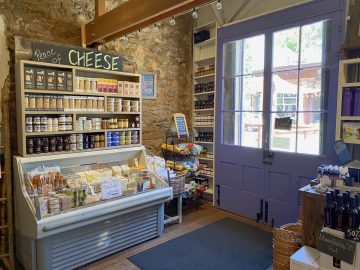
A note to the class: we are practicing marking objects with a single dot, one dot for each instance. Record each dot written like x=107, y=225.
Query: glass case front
x=59, y=188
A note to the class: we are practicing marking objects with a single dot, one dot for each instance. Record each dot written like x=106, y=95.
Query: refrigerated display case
x=72, y=209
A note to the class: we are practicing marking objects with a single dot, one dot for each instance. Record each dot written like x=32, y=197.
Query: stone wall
x=166, y=52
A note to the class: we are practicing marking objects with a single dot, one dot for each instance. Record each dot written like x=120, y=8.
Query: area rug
x=224, y=245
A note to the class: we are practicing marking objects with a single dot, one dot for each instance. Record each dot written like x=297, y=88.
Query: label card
x=110, y=190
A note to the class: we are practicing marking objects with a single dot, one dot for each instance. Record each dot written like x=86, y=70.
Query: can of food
x=73, y=138
x=28, y=120
x=97, y=144
x=52, y=144
x=37, y=128
x=62, y=119
x=29, y=128
x=29, y=150
x=43, y=120
x=79, y=138
x=73, y=146
x=85, y=145
x=44, y=128
x=79, y=146
x=92, y=138
x=37, y=120
x=30, y=142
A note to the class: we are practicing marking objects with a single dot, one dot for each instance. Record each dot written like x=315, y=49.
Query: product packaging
x=40, y=79
x=29, y=78
x=61, y=80
x=50, y=79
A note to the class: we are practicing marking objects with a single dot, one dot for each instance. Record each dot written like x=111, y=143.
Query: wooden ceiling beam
x=133, y=15
x=99, y=8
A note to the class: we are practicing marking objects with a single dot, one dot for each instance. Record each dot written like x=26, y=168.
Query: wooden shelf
x=204, y=110
x=209, y=191
x=205, y=26
x=355, y=118
x=205, y=93
x=79, y=112
x=200, y=142
x=205, y=175
x=356, y=84
x=204, y=76
x=204, y=158
x=81, y=151
x=203, y=126
x=208, y=42
x=72, y=93
x=33, y=134
x=352, y=142
x=207, y=59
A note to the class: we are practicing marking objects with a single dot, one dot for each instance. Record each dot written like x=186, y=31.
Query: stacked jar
x=204, y=120
x=126, y=106
x=48, y=124
x=65, y=122
x=113, y=139
x=85, y=85
x=134, y=137
x=135, y=106
x=114, y=104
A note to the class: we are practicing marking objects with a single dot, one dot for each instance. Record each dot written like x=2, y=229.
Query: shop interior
x=182, y=134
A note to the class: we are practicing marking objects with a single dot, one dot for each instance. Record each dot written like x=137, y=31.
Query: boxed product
x=306, y=258
x=126, y=88
x=61, y=80
x=132, y=88
x=121, y=87
x=69, y=82
x=51, y=79
x=351, y=132
x=137, y=89
x=40, y=79
x=29, y=78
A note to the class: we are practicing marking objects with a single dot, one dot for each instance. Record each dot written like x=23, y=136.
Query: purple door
x=276, y=108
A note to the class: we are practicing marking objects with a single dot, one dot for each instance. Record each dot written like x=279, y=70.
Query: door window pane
x=254, y=50
x=251, y=129
x=231, y=128
x=231, y=96
x=312, y=43
x=252, y=94
x=309, y=133
x=282, y=139
x=311, y=94
x=284, y=91
x=286, y=49
x=232, y=58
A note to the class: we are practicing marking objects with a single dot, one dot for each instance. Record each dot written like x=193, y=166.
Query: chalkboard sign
x=148, y=84
x=352, y=234
x=337, y=247
x=75, y=56
x=283, y=123
x=178, y=125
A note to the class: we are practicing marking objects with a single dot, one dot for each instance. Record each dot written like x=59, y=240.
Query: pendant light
x=194, y=14
x=172, y=21
x=219, y=5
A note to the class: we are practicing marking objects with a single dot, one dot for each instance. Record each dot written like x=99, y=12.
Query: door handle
x=266, y=211
x=268, y=157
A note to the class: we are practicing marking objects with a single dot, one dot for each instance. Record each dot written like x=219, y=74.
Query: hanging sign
x=283, y=123
x=75, y=56
x=337, y=247
x=178, y=125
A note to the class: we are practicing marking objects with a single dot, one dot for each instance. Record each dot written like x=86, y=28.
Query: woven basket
x=286, y=241
x=178, y=183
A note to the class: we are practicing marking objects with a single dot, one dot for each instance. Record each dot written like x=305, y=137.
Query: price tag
x=352, y=234
x=110, y=190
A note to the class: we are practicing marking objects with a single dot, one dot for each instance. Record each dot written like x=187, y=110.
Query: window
x=295, y=88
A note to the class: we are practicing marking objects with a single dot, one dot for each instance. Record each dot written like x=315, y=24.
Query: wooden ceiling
x=132, y=16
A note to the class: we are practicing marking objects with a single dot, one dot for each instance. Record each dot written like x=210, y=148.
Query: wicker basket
x=178, y=183
x=286, y=241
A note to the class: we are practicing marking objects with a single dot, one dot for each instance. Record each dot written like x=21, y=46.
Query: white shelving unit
x=349, y=77
x=204, y=55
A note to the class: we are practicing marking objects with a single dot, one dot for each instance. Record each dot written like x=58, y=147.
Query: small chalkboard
x=352, y=234
x=178, y=125
x=337, y=247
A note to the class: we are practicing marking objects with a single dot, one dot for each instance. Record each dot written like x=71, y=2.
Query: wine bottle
x=339, y=211
x=327, y=211
x=353, y=214
x=346, y=207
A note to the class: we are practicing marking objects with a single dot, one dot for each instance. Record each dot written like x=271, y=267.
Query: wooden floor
x=192, y=219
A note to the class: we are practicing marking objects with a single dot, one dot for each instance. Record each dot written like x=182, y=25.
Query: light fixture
x=125, y=38
x=172, y=21
x=139, y=33
x=219, y=5
x=194, y=14
x=156, y=27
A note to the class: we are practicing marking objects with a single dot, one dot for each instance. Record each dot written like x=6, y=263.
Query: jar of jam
x=45, y=145
x=59, y=143
x=46, y=102
x=37, y=145
x=52, y=144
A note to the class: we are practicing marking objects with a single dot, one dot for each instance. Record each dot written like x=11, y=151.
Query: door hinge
x=218, y=195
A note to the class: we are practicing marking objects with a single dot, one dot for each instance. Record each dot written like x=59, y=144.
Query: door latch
x=268, y=157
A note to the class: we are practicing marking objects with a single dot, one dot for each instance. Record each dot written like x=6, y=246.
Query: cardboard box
x=69, y=81
x=126, y=88
x=306, y=258
x=121, y=87
x=40, y=79
x=50, y=79
x=61, y=80
x=29, y=78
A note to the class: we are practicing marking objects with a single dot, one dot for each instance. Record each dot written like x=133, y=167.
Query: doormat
x=225, y=244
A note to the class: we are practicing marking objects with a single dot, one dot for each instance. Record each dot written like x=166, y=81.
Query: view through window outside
x=298, y=83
